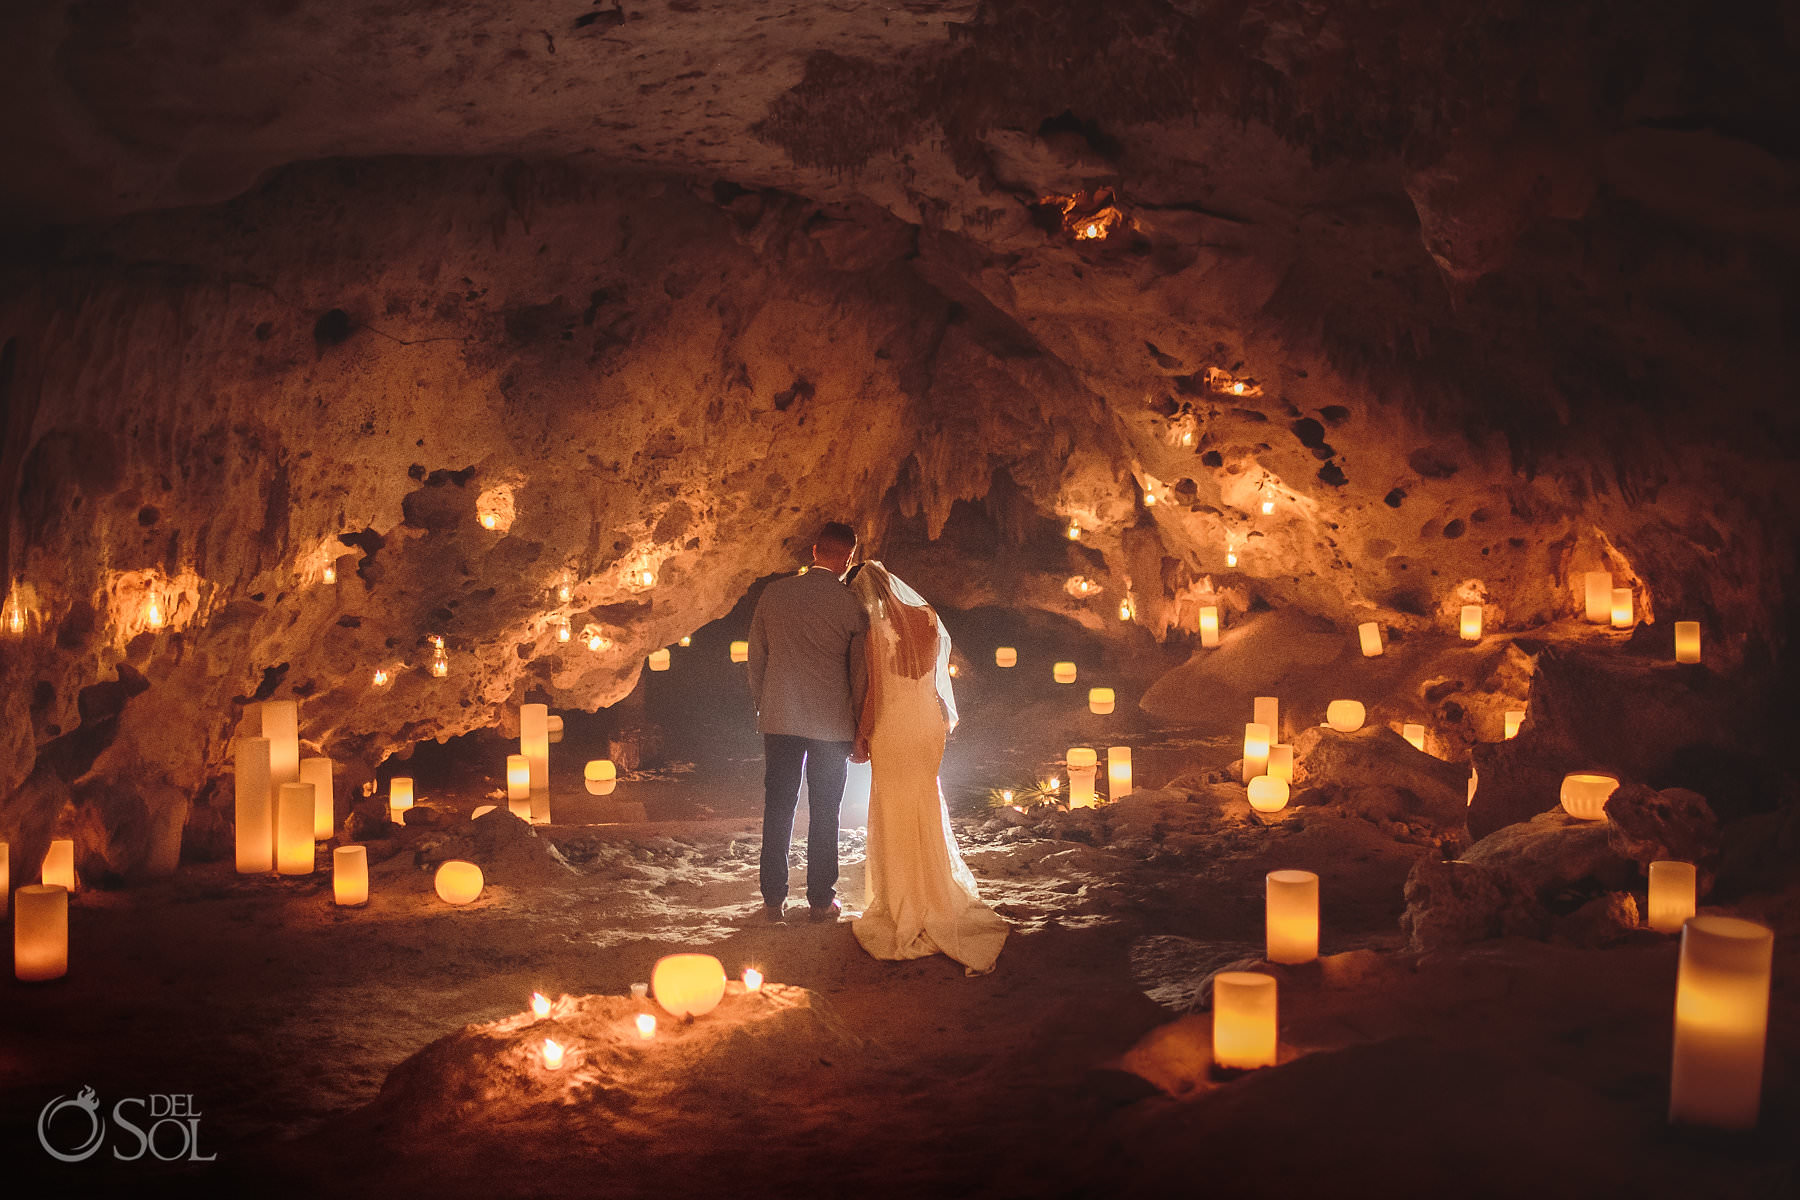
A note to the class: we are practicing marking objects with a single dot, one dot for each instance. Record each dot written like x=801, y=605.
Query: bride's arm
x=865, y=722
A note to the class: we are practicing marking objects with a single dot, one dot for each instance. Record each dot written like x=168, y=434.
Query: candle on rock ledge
x=400, y=798
x=1256, y=750
x=753, y=979
x=1244, y=1026
x=1584, y=795
x=1597, y=596
x=1118, y=771
x=1621, y=608
x=646, y=1025
x=1369, y=634
x=1687, y=641
x=540, y=1005
x=1267, y=794
x=659, y=659
x=1470, y=625
x=1346, y=716
x=553, y=1055
x=1292, y=916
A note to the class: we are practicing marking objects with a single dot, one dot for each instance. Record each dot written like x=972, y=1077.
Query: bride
x=921, y=898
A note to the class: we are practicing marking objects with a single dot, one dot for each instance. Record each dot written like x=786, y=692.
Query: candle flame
x=553, y=1054
x=1237, y=389
x=595, y=641
x=153, y=613
x=686, y=641
x=489, y=520
x=381, y=677
x=1231, y=558
x=1124, y=610
x=562, y=632
x=563, y=593
x=1052, y=783
x=1074, y=532
x=953, y=670
x=647, y=578
x=646, y=1026
x=752, y=979
x=1268, y=507
x=330, y=573
x=1149, y=499
x=540, y=1005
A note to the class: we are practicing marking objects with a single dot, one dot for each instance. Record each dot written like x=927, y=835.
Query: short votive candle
x=740, y=652
x=1063, y=672
x=1100, y=701
x=1369, y=633
x=1673, y=887
x=1006, y=656
x=1244, y=1025
x=350, y=876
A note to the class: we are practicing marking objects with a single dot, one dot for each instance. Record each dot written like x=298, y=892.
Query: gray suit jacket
x=807, y=672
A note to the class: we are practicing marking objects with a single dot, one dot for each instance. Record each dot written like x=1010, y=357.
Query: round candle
x=1244, y=1035
x=458, y=881
x=1292, y=916
x=1584, y=795
x=1345, y=716
x=41, y=933
x=1672, y=892
x=1721, y=1022
x=350, y=876
x=1268, y=794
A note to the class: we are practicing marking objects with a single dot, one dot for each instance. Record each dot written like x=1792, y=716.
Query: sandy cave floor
x=1506, y=1068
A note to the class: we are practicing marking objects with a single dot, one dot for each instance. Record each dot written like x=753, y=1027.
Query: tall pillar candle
x=1209, y=625
x=255, y=807
x=41, y=933
x=1721, y=1022
x=518, y=786
x=317, y=771
x=1266, y=710
x=1621, y=608
x=1256, y=750
x=350, y=875
x=1244, y=1026
x=534, y=743
x=281, y=725
x=5, y=878
x=1118, y=771
x=1369, y=634
x=1597, y=596
x=1672, y=891
x=1687, y=641
x=1292, y=916
x=1083, y=767
x=59, y=864
x=294, y=829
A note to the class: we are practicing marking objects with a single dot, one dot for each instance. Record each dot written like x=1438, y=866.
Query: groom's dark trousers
x=784, y=757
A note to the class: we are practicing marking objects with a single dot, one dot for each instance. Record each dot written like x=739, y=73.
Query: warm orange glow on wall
x=1100, y=701
x=1672, y=891
x=1257, y=739
x=41, y=933
x=1414, y=734
x=688, y=985
x=1244, y=1027
x=350, y=875
x=458, y=882
x=1721, y=1022
x=1687, y=641
x=1291, y=916
x=1584, y=795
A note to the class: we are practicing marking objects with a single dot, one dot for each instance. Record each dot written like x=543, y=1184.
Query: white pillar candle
x=317, y=771
x=1515, y=717
x=518, y=786
x=281, y=725
x=5, y=878
x=294, y=829
x=400, y=793
x=1100, y=701
x=1118, y=771
x=1687, y=641
x=1672, y=891
x=1721, y=1022
x=59, y=864
x=1006, y=656
x=1281, y=763
x=41, y=933
x=534, y=743
x=1082, y=792
x=740, y=652
x=1346, y=716
x=659, y=659
x=1414, y=734
x=1244, y=1036
x=1369, y=633
x=1209, y=625
x=1470, y=626
x=1256, y=750
x=1268, y=794
x=1597, y=596
x=350, y=875
x=1266, y=710
x=255, y=808
x=1292, y=916
x=1063, y=672
x=1621, y=608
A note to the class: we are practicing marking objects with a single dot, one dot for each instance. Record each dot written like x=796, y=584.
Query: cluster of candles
x=685, y=985
x=1268, y=769
x=1084, y=769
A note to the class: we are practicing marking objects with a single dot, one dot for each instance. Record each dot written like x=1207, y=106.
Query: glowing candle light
x=1125, y=610
x=1063, y=672
x=1267, y=794
x=1292, y=916
x=601, y=775
x=540, y=1005
x=554, y=726
x=518, y=786
x=1584, y=795
x=659, y=660
x=1209, y=625
x=1006, y=656
x=350, y=876
x=482, y=811
x=1256, y=750
x=553, y=1055
x=646, y=1026
x=281, y=725
x=59, y=865
x=1721, y=1022
x=317, y=771
x=1082, y=758
x=688, y=985
x=647, y=578
x=1515, y=717
x=1052, y=784
x=1597, y=589
x=1231, y=558
x=489, y=521
x=1074, y=532
x=595, y=642
x=952, y=670
x=1621, y=608
x=1672, y=892
x=1006, y=794
x=534, y=744
x=563, y=632
x=1118, y=772
x=41, y=933
x=685, y=640
x=1266, y=710
x=564, y=594
x=380, y=678
x=1414, y=734
x=740, y=652
x=1474, y=780
x=1369, y=634
x=1470, y=628
x=400, y=793
x=1687, y=641
x=153, y=613
x=294, y=804
x=752, y=979
x=255, y=807
x=330, y=573
x=1281, y=762
x=1268, y=506
x=440, y=663
x=458, y=881
x=1149, y=499
x=1346, y=716
x=6, y=876
x=1244, y=1035
x=1100, y=701
x=1083, y=762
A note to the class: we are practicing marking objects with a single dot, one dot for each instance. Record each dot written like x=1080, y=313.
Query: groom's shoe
x=830, y=912
x=772, y=914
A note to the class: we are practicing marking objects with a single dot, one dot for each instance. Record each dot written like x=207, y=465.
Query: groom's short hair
x=836, y=536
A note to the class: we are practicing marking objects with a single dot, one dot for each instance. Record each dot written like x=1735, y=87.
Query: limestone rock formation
x=1376, y=773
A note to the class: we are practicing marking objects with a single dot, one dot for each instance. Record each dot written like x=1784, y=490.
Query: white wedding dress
x=921, y=898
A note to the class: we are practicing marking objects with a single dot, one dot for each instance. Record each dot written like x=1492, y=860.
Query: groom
x=807, y=677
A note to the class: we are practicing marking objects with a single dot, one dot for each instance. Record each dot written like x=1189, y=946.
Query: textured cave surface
x=1478, y=301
